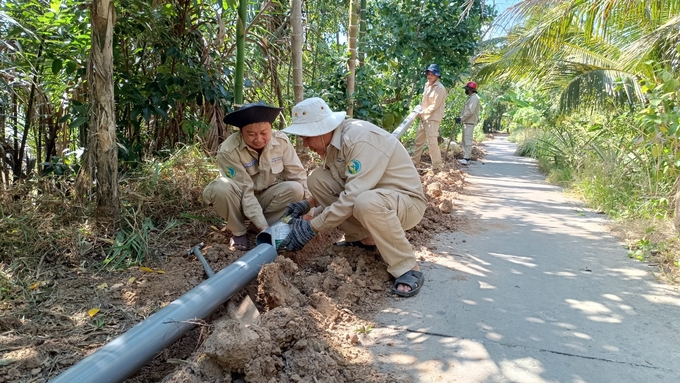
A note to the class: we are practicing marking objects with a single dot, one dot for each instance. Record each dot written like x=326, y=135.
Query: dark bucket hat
x=251, y=114
x=434, y=68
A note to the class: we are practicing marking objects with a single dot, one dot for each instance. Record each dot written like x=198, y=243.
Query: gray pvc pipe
x=265, y=236
x=123, y=356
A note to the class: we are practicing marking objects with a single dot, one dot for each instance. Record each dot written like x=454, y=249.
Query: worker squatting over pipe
x=123, y=356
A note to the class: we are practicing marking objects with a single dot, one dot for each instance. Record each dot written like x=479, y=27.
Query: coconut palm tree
x=596, y=53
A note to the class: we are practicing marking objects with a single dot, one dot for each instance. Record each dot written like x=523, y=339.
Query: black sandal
x=356, y=244
x=412, y=278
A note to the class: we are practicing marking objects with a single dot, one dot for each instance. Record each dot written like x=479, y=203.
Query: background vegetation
x=175, y=75
x=588, y=88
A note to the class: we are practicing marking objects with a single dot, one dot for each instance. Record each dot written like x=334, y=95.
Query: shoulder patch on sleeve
x=354, y=166
x=231, y=172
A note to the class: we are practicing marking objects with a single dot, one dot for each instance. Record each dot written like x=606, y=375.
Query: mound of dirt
x=309, y=329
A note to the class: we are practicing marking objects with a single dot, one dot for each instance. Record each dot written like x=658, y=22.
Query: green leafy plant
x=131, y=246
x=98, y=322
x=644, y=249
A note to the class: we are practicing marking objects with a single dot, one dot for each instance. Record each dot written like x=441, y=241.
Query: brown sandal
x=239, y=242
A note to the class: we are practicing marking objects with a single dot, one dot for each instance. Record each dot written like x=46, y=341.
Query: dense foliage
x=176, y=74
x=174, y=69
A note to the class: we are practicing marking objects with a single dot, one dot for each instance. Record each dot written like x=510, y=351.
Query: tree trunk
x=296, y=48
x=240, y=51
x=4, y=179
x=352, y=43
x=101, y=162
x=362, y=32
x=20, y=154
x=676, y=204
x=296, y=56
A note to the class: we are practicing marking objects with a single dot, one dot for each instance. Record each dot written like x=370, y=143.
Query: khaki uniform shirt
x=434, y=98
x=363, y=157
x=470, y=114
x=254, y=173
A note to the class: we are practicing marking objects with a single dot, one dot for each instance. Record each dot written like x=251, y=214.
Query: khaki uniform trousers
x=428, y=131
x=226, y=197
x=468, y=130
x=380, y=213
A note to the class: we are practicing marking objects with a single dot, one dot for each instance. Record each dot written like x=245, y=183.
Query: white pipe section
x=401, y=129
x=123, y=356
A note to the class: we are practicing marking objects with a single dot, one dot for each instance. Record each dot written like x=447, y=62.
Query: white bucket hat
x=312, y=117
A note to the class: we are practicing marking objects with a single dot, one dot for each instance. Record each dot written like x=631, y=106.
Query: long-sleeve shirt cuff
x=260, y=222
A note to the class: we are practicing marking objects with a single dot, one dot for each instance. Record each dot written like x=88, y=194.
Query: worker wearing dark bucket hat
x=432, y=112
x=434, y=68
x=367, y=187
x=260, y=173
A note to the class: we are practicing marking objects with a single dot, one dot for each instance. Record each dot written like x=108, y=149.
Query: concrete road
x=533, y=290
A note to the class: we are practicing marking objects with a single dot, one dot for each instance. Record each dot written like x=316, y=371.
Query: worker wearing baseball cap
x=260, y=173
x=434, y=98
x=368, y=187
x=469, y=118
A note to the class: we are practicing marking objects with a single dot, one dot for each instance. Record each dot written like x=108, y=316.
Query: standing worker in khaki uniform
x=368, y=187
x=260, y=173
x=434, y=98
x=469, y=118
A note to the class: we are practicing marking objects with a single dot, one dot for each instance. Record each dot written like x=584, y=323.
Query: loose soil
x=313, y=307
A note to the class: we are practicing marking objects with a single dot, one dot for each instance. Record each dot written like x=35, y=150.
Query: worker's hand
x=297, y=209
x=301, y=232
x=457, y=120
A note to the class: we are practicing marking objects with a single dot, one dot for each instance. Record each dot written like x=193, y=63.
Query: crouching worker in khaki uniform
x=260, y=173
x=368, y=187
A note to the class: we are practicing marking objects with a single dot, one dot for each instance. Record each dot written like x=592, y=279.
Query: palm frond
x=594, y=53
x=661, y=42
x=9, y=21
x=599, y=88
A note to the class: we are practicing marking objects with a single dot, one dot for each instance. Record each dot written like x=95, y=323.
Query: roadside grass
x=44, y=226
x=629, y=190
x=654, y=242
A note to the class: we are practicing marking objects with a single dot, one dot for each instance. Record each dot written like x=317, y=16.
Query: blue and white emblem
x=354, y=166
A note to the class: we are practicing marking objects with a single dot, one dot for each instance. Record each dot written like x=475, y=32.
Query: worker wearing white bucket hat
x=368, y=187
